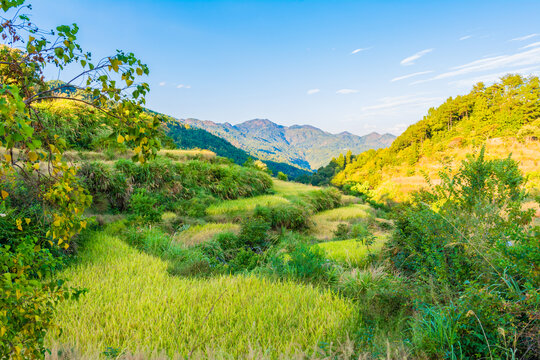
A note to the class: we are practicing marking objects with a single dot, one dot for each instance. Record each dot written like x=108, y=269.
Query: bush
x=319, y=200
x=254, y=234
x=143, y=206
x=282, y=176
x=288, y=216
x=303, y=262
x=470, y=237
x=26, y=270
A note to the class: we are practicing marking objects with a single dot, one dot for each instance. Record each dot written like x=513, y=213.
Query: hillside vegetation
x=116, y=245
x=505, y=117
x=187, y=137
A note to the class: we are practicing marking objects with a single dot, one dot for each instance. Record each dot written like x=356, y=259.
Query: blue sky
x=357, y=66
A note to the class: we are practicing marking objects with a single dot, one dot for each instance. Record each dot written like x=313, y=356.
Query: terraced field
x=133, y=303
x=136, y=308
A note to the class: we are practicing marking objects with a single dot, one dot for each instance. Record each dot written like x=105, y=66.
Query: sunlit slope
x=135, y=305
x=503, y=117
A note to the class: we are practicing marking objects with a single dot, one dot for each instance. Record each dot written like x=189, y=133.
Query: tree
x=348, y=157
x=282, y=176
x=39, y=222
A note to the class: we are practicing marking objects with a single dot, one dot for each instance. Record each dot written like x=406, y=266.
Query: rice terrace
x=149, y=209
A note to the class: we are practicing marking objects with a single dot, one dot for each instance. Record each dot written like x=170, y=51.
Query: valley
x=126, y=233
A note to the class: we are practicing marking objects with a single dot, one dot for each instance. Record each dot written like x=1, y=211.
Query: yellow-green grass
x=326, y=222
x=288, y=188
x=398, y=182
x=133, y=304
x=201, y=233
x=244, y=206
x=355, y=211
x=351, y=252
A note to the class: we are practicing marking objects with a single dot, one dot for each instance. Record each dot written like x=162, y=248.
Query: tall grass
x=134, y=305
x=351, y=252
x=355, y=211
x=244, y=206
x=286, y=188
x=201, y=233
x=326, y=222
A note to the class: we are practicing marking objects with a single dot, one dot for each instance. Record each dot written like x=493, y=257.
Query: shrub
x=342, y=231
x=325, y=199
x=254, y=234
x=303, y=262
x=27, y=270
x=245, y=260
x=282, y=176
x=143, y=205
x=470, y=235
x=288, y=216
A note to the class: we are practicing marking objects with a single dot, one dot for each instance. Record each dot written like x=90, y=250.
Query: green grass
x=133, y=304
x=201, y=233
x=288, y=188
x=243, y=206
x=351, y=252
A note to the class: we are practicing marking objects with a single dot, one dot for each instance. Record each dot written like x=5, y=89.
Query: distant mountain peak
x=258, y=122
x=305, y=146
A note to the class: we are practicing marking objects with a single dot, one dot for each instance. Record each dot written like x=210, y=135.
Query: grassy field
x=326, y=222
x=200, y=233
x=351, y=252
x=133, y=304
x=288, y=188
x=243, y=206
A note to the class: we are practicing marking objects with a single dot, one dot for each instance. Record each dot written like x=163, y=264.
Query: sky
x=357, y=66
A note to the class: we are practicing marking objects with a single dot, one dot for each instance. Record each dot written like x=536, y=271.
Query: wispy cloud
x=162, y=83
x=465, y=37
x=536, y=44
x=394, y=110
x=411, y=59
x=492, y=77
x=346, y=91
x=525, y=58
x=396, y=129
x=313, y=91
x=359, y=50
x=180, y=86
x=526, y=37
x=411, y=75
x=399, y=101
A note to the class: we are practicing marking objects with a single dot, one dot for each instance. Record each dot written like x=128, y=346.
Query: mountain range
x=304, y=146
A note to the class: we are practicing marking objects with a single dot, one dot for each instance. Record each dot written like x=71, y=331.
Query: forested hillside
x=187, y=137
x=301, y=145
x=505, y=117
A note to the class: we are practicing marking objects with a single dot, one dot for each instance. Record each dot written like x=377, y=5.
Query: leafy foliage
x=33, y=155
x=470, y=235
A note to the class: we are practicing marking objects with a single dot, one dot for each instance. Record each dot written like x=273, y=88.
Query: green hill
x=186, y=137
x=504, y=117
